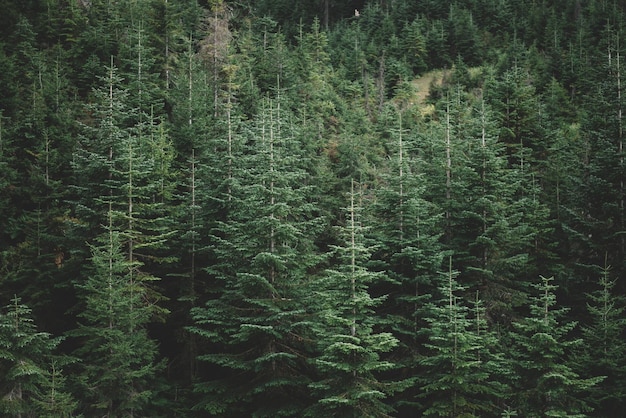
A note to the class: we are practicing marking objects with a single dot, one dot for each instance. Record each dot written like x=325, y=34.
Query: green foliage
x=123, y=165
x=462, y=372
x=350, y=348
x=542, y=351
x=603, y=349
x=194, y=157
x=118, y=359
x=254, y=323
x=33, y=383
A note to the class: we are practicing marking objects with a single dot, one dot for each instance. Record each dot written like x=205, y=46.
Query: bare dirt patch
x=423, y=83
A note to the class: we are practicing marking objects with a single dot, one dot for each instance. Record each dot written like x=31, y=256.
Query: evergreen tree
x=545, y=383
x=463, y=373
x=198, y=203
x=464, y=38
x=119, y=169
x=602, y=185
x=491, y=222
x=36, y=149
x=119, y=366
x=515, y=104
x=351, y=349
x=32, y=383
x=168, y=162
x=603, y=350
x=405, y=228
x=256, y=324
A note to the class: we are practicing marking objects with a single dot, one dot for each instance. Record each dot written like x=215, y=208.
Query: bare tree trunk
x=381, y=82
x=448, y=170
x=353, y=257
x=620, y=149
x=272, y=200
x=401, y=179
x=483, y=174
x=326, y=14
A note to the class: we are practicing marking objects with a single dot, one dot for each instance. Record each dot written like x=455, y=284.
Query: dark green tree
x=36, y=150
x=464, y=36
x=117, y=374
x=32, y=383
x=463, y=372
x=491, y=221
x=406, y=231
x=517, y=111
x=601, y=222
x=255, y=324
x=603, y=350
x=121, y=168
x=544, y=381
x=351, y=350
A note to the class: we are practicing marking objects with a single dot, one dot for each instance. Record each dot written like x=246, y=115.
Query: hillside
x=312, y=208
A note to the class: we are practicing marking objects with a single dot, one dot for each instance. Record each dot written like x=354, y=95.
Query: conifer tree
x=463, y=372
x=405, y=228
x=121, y=178
x=489, y=223
x=602, y=184
x=117, y=375
x=255, y=324
x=32, y=382
x=517, y=111
x=464, y=37
x=544, y=381
x=351, y=350
x=36, y=149
x=197, y=200
x=602, y=351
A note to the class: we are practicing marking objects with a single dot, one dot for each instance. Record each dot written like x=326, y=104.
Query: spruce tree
x=32, y=382
x=119, y=366
x=406, y=231
x=121, y=183
x=602, y=185
x=603, y=348
x=36, y=149
x=255, y=324
x=544, y=382
x=491, y=222
x=517, y=111
x=196, y=202
x=351, y=349
x=462, y=372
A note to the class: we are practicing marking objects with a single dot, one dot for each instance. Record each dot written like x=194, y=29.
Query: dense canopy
x=307, y=208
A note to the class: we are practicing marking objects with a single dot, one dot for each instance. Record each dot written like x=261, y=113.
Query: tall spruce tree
x=119, y=366
x=255, y=323
x=600, y=223
x=35, y=156
x=351, y=349
x=120, y=179
x=406, y=230
x=491, y=222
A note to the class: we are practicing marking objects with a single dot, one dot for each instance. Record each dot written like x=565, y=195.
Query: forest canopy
x=375, y=208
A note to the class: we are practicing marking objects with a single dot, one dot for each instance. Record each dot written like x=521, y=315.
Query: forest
x=312, y=208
